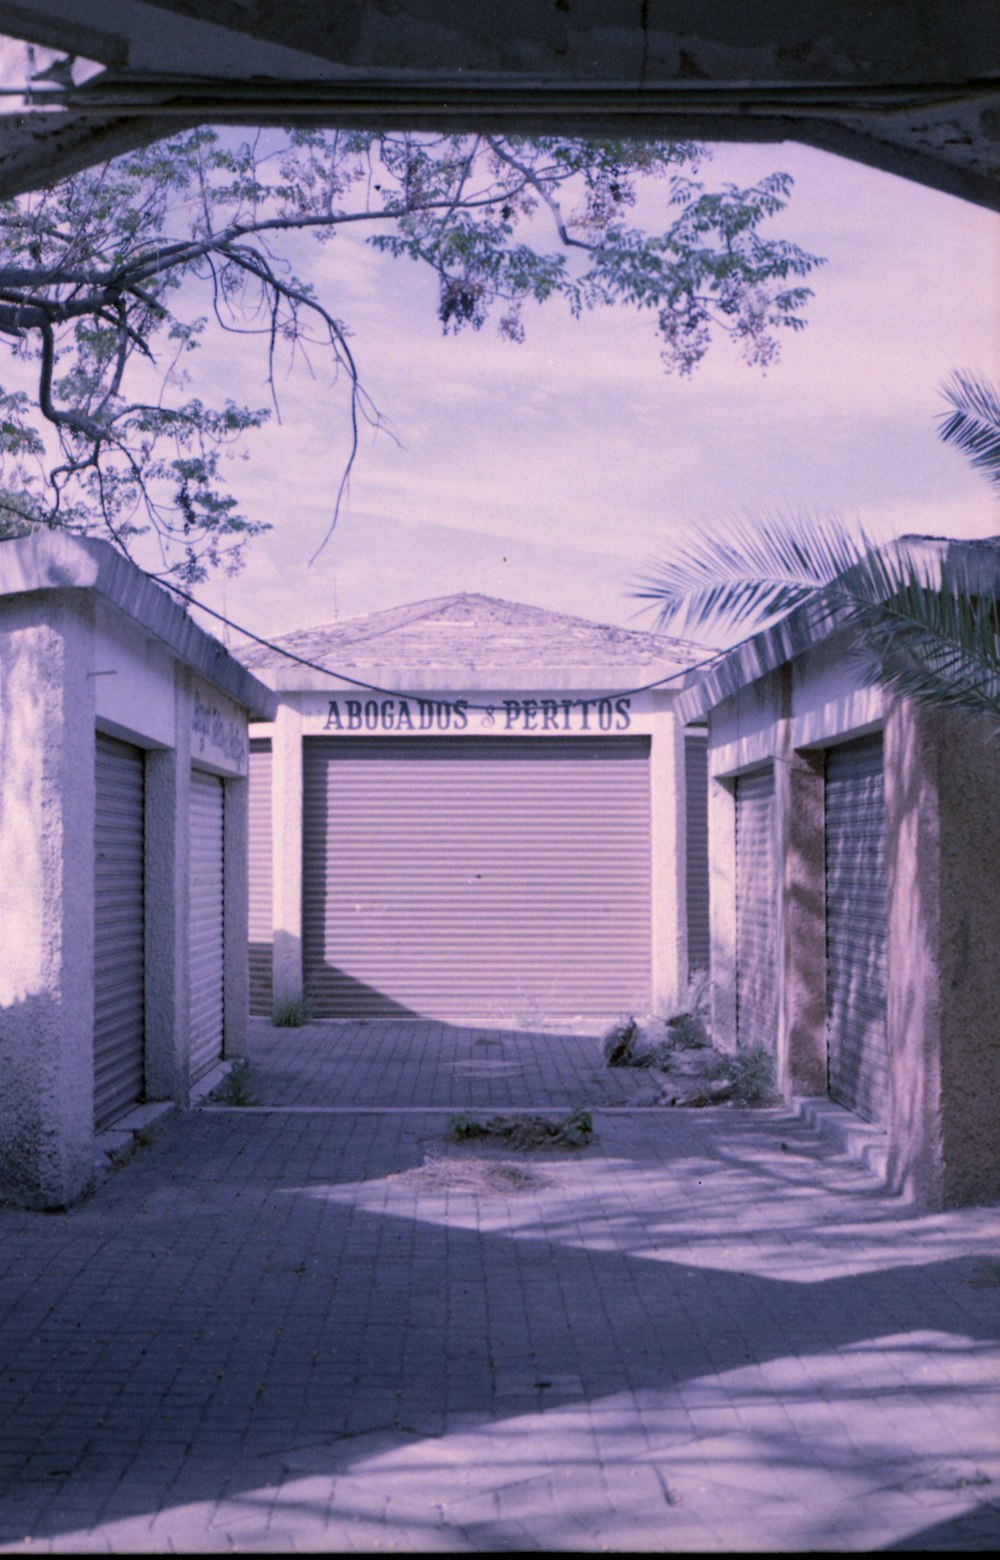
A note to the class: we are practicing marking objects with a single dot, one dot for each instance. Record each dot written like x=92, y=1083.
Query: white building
x=855, y=890
x=472, y=810
x=123, y=746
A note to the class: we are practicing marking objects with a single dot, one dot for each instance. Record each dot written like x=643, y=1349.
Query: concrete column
x=46, y=899
x=943, y=846
x=913, y=860
x=168, y=998
x=286, y=825
x=669, y=851
x=799, y=802
x=722, y=907
x=236, y=991
x=166, y=923
x=969, y=964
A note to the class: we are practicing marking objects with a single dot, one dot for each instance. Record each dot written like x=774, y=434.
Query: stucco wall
x=943, y=969
x=74, y=661
x=970, y=960
x=46, y=920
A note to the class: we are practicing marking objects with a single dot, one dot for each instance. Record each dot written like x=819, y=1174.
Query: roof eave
x=50, y=561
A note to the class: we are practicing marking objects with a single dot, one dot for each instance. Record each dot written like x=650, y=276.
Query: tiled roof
x=477, y=635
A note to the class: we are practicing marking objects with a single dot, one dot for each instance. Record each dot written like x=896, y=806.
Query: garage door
x=477, y=879
x=856, y=928
x=205, y=941
x=756, y=911
x=260, y=898
x=119, y=930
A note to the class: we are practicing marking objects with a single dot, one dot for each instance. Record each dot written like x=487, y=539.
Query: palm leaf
x=753, y=569
x=973, y=424
x=919, y=630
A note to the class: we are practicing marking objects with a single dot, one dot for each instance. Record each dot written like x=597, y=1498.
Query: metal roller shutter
x=696, y=783
x=856, y=928
x=205, y=944
x=477, y=878
x=260, y=908
x=119, y=930
x=756, y=911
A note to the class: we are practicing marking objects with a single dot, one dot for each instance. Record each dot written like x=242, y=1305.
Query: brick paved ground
x=407, y=1062
x=330, y=1331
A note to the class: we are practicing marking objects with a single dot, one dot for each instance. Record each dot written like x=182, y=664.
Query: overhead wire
x=397, y=693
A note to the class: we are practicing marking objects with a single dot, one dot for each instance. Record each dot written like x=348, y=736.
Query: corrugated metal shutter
x=856, y=928
x=205, y=943
x=119, y=930
x=696, y=783
x=260, y=847
x=477, y=878
x=756, y=912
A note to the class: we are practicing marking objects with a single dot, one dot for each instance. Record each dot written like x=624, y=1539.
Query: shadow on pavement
x=273, y=1312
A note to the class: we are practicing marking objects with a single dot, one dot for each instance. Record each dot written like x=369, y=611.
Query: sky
x=554, y=472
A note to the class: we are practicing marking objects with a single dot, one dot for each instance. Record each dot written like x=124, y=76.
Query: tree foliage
x=133, y=263
x=923, y=625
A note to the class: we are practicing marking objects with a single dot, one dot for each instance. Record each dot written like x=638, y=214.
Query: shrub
x=688, y=1027
x=290, y=1015
x=235, y=1087
x=751, y=1073
x=619, y=1042
x=577, y=1129
x=464, y=1127
x=526, y=1132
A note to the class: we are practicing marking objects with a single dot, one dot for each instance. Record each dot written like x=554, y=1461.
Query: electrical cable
x=396, y=693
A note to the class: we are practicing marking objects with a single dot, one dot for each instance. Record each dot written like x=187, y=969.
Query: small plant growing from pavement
x=619, y=1042
x=577, y=1129
x=235, y=1087
x=751, y=1073
x=290, y=1015
x=464, y=1127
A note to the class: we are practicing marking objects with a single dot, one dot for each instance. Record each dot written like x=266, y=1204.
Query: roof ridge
x=367, y=626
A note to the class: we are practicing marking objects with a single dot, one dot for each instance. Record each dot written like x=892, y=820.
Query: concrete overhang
x=908, y=86
x=49, y=561
x=400, y=681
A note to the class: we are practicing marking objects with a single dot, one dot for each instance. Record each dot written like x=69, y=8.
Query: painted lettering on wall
x=212, y=727
x=417, y=715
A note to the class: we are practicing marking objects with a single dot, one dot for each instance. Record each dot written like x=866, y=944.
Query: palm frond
x=973, y=424
x=930, y=640
x=919, y=630
x=751, y=570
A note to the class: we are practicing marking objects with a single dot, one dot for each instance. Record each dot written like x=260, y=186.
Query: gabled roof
x=474, y=640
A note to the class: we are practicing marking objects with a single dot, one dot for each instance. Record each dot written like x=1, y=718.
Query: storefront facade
x=122, y=855
x=853, y=841
x=498, y=842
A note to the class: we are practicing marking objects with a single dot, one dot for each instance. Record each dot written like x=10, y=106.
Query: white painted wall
x=73, y=662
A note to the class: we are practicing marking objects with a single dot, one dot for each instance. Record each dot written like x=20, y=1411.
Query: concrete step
x=860, y=1140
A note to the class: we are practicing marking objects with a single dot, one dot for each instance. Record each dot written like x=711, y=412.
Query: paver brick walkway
x=318, y=1330
x=394, y=1063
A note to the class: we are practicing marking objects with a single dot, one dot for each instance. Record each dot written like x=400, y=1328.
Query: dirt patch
x=483, y=1176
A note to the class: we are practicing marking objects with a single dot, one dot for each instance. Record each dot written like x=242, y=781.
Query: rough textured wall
x=802, y=1038
x=46, y=924
x=969, y=761
x=912, y=746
